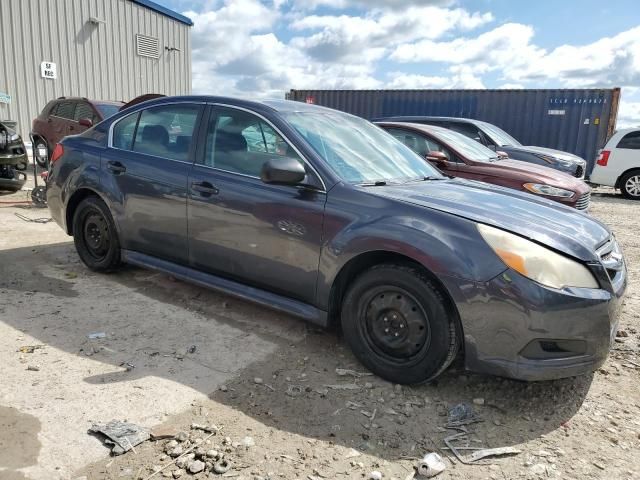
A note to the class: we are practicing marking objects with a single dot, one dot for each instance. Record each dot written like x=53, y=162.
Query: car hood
x=550, y=152
x=549, y=223
x=537, y=174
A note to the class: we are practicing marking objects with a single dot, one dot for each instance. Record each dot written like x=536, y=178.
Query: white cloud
x=339, y=37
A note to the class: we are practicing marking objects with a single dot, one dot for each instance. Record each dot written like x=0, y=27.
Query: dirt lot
x=262, y=378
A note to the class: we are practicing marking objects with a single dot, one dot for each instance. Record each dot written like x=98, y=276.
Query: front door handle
x=205, y=189
x=116, y=167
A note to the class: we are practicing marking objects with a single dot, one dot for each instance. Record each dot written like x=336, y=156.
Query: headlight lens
x=537, y=262
x=542, y=189
x=14, y=137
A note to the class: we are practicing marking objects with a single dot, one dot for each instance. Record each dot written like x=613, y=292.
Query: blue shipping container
x=578, y=121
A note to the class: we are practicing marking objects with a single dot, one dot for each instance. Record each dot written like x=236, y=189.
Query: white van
x=618, y=164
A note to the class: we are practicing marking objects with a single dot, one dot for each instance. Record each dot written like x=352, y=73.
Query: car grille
x=583, y=201
x=579, y=173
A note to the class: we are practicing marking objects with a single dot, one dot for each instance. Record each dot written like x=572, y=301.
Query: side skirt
x=251, y=294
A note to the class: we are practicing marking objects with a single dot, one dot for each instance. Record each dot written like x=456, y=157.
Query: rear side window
x=630, y=141
x=64, y=110
x=166, y=131
x=124, y=130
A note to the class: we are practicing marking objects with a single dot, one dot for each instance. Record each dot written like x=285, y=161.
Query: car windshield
x=107, y=109
x=358, y=151
x=468, y=147
x=499, y=136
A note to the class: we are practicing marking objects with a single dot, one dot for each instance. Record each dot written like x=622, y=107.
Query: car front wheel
x=95, y=236
x=630, y=185
x=398, y=324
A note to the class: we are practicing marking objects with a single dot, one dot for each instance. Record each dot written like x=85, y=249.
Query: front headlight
x=537, y=262
x=550, y=191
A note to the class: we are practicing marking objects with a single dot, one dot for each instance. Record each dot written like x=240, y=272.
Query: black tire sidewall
x=623, y=185
x=112, y=258
x=439, y=352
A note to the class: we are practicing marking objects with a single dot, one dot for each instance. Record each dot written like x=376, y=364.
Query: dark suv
x=325, y=216
x=69, y=116
x=495, y=138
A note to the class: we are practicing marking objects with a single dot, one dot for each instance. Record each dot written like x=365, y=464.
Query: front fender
x=447, y=245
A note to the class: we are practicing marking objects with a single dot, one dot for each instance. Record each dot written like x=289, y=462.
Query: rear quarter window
x=630, y=141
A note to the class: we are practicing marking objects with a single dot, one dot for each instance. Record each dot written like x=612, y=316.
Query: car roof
x=408, y=118
x=85, y=99
x=433, y=129
x=273, y=105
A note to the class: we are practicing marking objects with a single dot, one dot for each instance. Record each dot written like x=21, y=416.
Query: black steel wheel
x=398, y=324
x=95, y=235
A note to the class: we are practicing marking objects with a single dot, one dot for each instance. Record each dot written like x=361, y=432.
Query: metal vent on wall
x=147, y=46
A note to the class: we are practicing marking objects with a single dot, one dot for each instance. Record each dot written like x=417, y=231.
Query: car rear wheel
x=398, y=325
x=630, y=185
x=95, y=236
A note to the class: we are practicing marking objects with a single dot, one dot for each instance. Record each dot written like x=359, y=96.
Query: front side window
x=467, y=147
x=467, y=130
x=358, y=151
x=631, y=141
x=166, y=131
x=240, y=142
x=84, y=110
x=124, y=130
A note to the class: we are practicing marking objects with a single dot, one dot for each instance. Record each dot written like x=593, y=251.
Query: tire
x=398, y=325
x=95, y=235
x=630, y=185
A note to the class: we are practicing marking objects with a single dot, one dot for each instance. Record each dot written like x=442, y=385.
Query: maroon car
x=69, y=116
x=460, y=156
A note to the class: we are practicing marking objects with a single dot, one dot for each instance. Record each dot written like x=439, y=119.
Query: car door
x=422, y=145
x=83, y=111
x=145, y=169
x=60, y=120
x=240, y=228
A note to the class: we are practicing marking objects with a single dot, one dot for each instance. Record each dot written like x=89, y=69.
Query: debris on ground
x=29, y=348
x=462, y=414
x=375, y=475
x=492, y=452
x=343, y=386
x=431, y=465
x=33, y=368
x=96, y=335
x=121, y=436
x=345, y=372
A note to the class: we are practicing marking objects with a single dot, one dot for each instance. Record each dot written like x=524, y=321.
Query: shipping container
x=578, y=121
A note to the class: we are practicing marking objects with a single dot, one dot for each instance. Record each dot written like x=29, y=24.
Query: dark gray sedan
x=325, y=216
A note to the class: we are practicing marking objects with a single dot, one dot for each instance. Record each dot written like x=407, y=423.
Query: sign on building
x=5, y=97
x=48, y=70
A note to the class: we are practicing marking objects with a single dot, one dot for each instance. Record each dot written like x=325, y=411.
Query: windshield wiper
x=424, y=178
x=377, y=183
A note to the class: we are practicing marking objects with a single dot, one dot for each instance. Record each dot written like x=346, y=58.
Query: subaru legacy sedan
x=323, y=215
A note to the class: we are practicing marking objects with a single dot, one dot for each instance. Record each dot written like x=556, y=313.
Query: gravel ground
x=282, y=416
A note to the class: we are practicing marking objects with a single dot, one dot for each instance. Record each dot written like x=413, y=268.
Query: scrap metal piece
x=121, y=436
x=492, y=452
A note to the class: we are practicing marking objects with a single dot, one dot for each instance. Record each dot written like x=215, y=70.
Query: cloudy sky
x=266, y=47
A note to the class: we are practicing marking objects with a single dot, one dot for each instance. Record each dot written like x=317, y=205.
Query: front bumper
x=514, y=327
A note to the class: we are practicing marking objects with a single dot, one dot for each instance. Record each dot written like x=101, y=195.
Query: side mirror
x=284, y=171
x=502, y=155
x=85, y=122
x=435, y=156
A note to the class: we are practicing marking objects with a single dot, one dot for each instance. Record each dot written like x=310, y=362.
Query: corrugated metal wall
x=94, y=61
x=576, y=121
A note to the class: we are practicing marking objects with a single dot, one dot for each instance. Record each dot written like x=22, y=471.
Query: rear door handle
x=205, y=189
x=116, y=167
